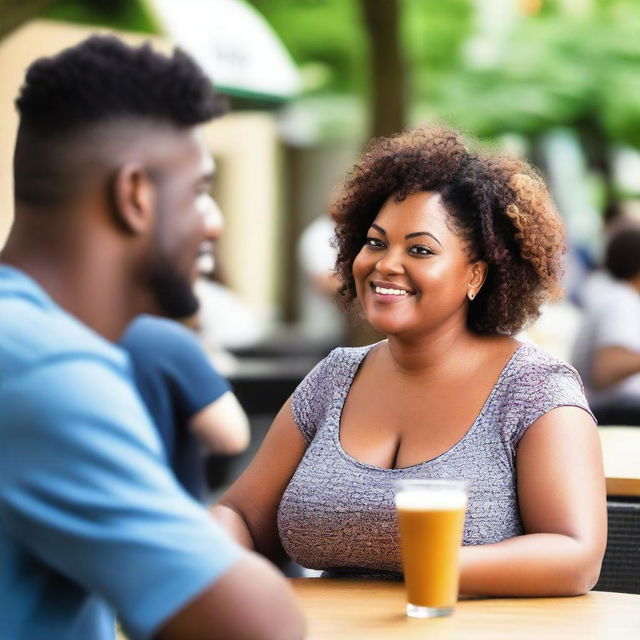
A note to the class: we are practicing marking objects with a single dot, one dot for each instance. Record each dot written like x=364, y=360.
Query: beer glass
x=431, y=520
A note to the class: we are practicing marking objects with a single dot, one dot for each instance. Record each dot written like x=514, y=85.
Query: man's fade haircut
x=98, y=81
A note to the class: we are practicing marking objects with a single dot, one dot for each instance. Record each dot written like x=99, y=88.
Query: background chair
x=621, y=566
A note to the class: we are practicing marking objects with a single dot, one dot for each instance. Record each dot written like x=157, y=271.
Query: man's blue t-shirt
x=176, y=379
x=92, y=520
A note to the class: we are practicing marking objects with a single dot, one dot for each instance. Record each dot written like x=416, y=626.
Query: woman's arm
x=562, y=497
x=248, y=510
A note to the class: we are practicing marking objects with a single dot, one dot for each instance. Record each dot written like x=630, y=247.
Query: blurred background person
x=192, y=405
x=317, y=262
x=223, y=321
x=607, y=348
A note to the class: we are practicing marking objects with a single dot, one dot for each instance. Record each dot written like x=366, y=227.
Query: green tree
x=128, y=15
x=16, y=12
x=375, y=49
x=559, y=67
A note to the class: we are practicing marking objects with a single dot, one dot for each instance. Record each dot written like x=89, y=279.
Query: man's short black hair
x=102, y=78
x=72, y=104
x=622, y=259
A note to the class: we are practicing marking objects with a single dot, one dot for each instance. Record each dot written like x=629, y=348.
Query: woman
x=449, y=254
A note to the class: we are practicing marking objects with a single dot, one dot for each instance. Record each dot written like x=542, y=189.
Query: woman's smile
x=389, y=292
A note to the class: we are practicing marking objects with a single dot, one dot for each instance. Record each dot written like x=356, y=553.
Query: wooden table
x=621, y=451
x=363, y=609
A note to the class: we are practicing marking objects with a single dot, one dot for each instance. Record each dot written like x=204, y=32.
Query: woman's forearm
x=234, y=524
x=541, y=564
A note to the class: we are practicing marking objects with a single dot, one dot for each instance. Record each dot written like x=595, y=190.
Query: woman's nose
x=390, y=262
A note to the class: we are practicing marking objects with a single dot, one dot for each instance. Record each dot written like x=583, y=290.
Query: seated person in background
x=317, y=256
x=192, y=406
x=111, y=184
x=223, y=321
x=320, y=315
x=449, y=253
x=607, y=348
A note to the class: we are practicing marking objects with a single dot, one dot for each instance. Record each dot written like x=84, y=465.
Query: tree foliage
x=557, y=69
x=559, y=66
x=127, y=15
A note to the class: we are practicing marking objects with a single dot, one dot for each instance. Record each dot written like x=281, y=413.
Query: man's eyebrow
x=415, y=234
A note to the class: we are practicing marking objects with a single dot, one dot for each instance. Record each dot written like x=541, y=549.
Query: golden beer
x=431, y=520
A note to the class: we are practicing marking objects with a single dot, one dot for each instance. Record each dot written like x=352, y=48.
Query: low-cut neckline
x=345, y=454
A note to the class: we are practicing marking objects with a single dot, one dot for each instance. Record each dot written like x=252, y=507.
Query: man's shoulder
x=35, y=331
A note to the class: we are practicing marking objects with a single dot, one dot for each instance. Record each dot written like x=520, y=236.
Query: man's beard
x=172, y=291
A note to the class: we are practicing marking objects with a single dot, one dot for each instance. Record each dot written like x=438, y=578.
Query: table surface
x=363, y=609
x=621, y=452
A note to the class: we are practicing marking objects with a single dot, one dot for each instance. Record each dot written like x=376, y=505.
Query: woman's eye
x=374, y=242
x=421, y=250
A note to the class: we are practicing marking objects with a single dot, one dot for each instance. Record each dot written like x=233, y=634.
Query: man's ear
x=133, y=197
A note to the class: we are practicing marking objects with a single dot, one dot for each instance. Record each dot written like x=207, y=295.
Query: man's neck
x=90, y=283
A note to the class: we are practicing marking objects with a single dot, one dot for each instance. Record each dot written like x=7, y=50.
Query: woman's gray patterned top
x=338, y=513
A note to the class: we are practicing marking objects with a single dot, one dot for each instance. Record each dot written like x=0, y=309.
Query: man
x=111, y=192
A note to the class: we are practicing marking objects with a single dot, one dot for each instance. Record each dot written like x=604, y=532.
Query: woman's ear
x=479, y=271
x=133, y=197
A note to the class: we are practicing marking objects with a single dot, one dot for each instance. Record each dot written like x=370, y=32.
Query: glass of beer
x=431, y=520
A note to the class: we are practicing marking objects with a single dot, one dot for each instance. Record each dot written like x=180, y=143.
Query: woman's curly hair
x=497, y=204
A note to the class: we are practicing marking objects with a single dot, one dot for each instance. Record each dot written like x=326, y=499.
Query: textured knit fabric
x=176, y=380
x=338, y=513
x=92, y=520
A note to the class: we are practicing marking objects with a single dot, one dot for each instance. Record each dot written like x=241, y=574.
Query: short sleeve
x=537, y=388
x=84, y=488
x=166, y=349
x=312, y=398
